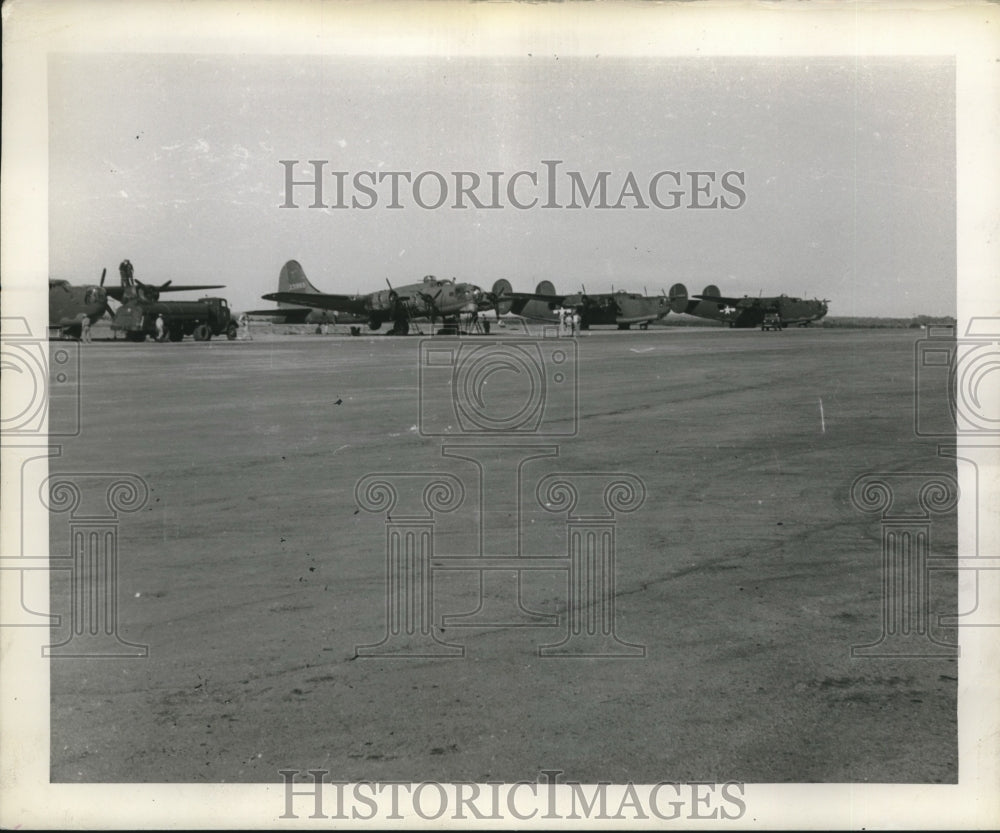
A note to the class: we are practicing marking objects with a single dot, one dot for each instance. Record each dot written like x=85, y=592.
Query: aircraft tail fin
x=678, y=298
x=545, y=288
x=712, y=290
x=293, y=279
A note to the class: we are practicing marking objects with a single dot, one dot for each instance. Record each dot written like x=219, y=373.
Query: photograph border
x=32, y=31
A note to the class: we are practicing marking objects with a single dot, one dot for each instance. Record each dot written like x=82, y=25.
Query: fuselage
x=432, y=298
x=749, y=312
x=621, y=309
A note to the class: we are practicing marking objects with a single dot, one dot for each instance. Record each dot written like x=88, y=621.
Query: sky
x=847, y=166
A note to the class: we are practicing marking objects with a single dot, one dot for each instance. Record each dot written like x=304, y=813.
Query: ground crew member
x=160, y=331
x=85, y=330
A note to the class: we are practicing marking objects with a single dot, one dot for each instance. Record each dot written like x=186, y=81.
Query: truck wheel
x=176, y=334
x=231, y=332
x=202, y=333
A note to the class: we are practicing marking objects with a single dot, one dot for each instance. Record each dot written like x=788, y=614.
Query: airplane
x=622, y=309
x=433, y=298
x=69, y=305
x=750, y=312
x=291, y=278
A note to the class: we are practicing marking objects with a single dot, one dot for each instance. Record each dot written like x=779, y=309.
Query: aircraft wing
x=292, y=315
x=639, y=319
x=320, y=300
x=532, y=296
x=118, y=292
x=731, y=302
x=517, y=303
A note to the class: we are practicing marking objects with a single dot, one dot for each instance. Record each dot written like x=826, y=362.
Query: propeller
x=496, y=298
x=394, y=303
x=151, y=290
x=431, y=301
x=107, y=307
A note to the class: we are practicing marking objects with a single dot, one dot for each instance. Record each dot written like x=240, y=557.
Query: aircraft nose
x=96, y=295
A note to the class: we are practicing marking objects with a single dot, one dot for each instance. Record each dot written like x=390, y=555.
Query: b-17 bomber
x=433, y=299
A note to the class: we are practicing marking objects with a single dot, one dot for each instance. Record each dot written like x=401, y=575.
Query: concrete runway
x=747, y=575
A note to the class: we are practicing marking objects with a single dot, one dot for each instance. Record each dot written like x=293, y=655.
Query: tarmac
x=718, y=648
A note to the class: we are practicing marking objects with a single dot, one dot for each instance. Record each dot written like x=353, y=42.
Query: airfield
x=253, y=575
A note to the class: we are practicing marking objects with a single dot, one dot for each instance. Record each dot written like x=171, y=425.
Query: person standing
x=161, y=332
x=85, y=330
x=244, y=324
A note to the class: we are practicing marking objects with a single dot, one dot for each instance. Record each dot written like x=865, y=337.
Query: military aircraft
x=622, y=309
x=434, y=299
x=291, y=278
x=69, y=305
x=750, y=312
